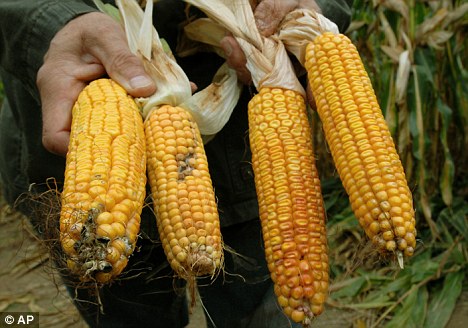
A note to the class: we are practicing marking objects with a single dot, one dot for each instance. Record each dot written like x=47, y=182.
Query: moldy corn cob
x=182, y=192
x=105, y=177
x=181, y=188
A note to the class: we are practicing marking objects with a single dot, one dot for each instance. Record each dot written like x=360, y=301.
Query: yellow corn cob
x=361, y=145
x=105, y=179
x=290, y=201
x=182, y=192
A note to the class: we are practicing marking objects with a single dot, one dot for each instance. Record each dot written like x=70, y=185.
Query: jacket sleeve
x=26, y=29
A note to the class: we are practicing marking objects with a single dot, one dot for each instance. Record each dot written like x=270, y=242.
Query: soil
x=27, y=283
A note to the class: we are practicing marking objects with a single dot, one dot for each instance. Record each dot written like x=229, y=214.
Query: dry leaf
x=392, y=52
x=430, y=24
x=387, y=29
x=455, y=15
x=399, y=6
x=401, y=82
x=437, y=39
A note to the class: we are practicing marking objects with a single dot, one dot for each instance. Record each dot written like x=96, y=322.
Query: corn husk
x=224, y=89
x=205, y=31
x=173, y=85
x=300, y=27
x=267, y=59
x=210, y=107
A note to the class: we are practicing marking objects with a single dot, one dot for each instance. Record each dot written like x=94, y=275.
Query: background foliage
x=415, y=53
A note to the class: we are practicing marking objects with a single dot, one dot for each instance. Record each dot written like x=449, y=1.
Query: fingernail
x=140, y=81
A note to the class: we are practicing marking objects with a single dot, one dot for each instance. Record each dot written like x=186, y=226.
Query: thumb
x=57, y=100
x=126, y=69
x=119, y=62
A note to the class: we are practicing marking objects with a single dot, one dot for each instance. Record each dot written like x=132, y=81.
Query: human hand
x=268, y=15
x=88, y=47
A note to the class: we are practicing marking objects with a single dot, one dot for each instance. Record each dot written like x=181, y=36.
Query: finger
x=126, y=69
x=119, y=62
x=269, y=14
x=235, y=58
x=58, y=96
x=56, y=143
x=87, y=68
x=310, y=98
x=193, y=87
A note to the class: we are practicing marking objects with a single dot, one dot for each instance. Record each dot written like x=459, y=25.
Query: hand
x=85, y=49
x=268, y=15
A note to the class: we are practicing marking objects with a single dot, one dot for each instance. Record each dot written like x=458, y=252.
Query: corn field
x=415, y=52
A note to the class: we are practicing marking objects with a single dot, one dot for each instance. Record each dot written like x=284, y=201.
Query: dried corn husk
x=173, y=85
x=267, y=59
x=211, y=107
x=300, y=27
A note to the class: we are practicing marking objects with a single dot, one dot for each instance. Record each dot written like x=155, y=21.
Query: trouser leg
x=147, y=295
x=242, y=295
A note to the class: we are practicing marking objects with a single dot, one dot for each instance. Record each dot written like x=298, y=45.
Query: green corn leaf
x=460, y=213
x=446, y=180
x=448, y=168
x=412, y=311
x=165, y=45
x=419, y=312
x=389, y=290
x=424, y=60
x=331, y=200
x=108, y=9
x=443, y=300
x=351, y=287
x=423, y=269
x=382, y=302
x=456, y=216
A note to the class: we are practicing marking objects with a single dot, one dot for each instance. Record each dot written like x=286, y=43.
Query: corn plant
x=414, y=52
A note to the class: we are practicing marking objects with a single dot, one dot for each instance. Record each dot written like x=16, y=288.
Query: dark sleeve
x=338, y=11
x=26, y=29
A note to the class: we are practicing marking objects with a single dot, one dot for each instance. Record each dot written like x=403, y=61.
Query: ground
x=27, y=283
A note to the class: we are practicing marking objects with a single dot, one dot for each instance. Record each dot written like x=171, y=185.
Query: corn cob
x=181, y=188
x=361, y=144
x=104, y=187
x=290, y=201
x=182, y=191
